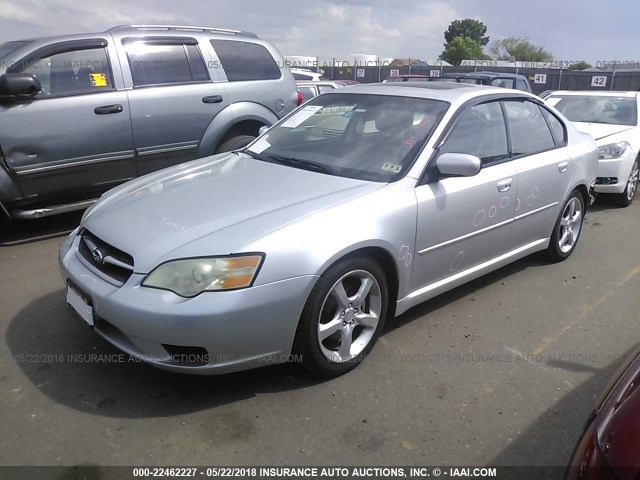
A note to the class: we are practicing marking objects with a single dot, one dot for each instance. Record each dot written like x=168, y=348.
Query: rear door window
x=160, y=63
x=530, y=133
x=244, y=61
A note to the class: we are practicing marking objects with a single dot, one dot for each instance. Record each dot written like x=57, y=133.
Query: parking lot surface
x=502, y=371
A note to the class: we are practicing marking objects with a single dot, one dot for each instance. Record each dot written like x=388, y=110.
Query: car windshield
x=8, y=48
x=596, y=109
x=368, y=137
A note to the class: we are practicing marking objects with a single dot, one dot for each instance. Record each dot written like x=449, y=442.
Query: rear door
x=75, y=136
x=537, y=146
x=172, y=98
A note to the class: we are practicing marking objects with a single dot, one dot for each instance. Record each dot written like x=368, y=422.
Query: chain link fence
x=540, y=79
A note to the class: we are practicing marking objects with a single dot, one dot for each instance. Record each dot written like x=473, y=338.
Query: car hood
x=601, y=130
x=154, y=217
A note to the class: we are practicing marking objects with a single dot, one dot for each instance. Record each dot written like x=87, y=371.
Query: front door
x=75, y=136
x=465, y=221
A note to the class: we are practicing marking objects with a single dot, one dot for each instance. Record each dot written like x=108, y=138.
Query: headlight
x=190, y=277
x=613, y=150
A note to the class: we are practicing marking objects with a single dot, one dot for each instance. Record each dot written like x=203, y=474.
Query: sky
x=571, y=30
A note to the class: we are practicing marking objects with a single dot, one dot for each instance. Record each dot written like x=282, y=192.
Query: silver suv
x=82, y=113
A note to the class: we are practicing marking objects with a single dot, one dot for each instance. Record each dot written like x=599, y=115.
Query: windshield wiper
x=297, y=163
x=255, y=155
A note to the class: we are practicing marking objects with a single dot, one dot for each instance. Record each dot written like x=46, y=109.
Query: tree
x=462, y=48
x=469, y=28
x=520, y=49
x=580, y=66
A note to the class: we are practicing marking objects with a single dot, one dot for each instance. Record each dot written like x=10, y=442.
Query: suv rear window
x=244, y=61
x=157, y=64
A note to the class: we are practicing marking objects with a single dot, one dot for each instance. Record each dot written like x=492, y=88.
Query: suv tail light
x=300, y=98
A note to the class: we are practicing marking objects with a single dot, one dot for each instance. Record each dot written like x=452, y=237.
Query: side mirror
x=17, y=84
x=263, y=129
x=458, y=165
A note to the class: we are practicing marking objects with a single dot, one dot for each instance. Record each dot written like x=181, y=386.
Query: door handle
x=562, y=166
x=504, y=185
x=107, y=109
x=212, y=99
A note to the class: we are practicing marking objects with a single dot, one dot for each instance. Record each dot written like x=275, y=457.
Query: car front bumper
x=614, y=168
x=239, y=329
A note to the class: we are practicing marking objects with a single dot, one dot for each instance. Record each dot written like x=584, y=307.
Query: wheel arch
x=242, y=118
x=383, y=257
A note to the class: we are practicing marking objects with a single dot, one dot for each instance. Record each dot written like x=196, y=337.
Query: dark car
x=495, y=79
x=608, y=448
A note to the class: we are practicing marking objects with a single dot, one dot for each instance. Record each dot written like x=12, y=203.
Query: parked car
x=612, y=119
x=406, y=78
x=608, y=447
x=306, y=75
x=83, y=113
x=495, y=79
x=361, y=204
x=313, y=89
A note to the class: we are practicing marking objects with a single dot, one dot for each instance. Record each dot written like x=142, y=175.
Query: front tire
x=235, y=143
x=566, y=233
x=625, y=198
x=343, y=317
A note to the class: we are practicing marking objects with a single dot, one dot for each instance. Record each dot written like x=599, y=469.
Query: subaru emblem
x=97, y=255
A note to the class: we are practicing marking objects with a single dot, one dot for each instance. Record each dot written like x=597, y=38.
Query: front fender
x=230, y=116
x=384, y=219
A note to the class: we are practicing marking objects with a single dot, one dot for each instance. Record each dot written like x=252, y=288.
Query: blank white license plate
x=80, y=305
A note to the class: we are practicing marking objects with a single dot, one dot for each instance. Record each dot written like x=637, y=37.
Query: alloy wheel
x=632, y=184
x=570, y=225
x=349, y=316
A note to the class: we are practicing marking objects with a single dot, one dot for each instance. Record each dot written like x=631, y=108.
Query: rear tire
x=566, y=233
x=235, y=143
x=343, y=317
x=625, y=198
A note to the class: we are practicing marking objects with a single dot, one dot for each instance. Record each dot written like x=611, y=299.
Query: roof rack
x=183, y=28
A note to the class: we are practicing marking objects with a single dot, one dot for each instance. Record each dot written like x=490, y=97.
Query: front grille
x=106, y=258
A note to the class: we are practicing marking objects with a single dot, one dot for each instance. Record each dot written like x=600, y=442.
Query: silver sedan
x=354, y=208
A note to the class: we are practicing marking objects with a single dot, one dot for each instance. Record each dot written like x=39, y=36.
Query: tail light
x=300, y=98
x=588, y=462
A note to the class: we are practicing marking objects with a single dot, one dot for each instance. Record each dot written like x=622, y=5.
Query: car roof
x=448, y=92
x=594, y=93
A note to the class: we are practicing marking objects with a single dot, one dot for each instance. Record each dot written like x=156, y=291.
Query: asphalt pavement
x=502, y=371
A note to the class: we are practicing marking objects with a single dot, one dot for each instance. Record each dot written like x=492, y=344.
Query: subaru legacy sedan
x=357, y=206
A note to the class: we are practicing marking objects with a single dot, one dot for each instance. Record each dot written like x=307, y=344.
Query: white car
x=612, y=119
x=307, y=75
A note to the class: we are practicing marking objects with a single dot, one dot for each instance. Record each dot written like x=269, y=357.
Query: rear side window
x=243, y=61
x=325, y=88
x=521, y=85
x=556, y=127
x=481, y=132
x=157, y=64
x=529, y=130
x=502, y=82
